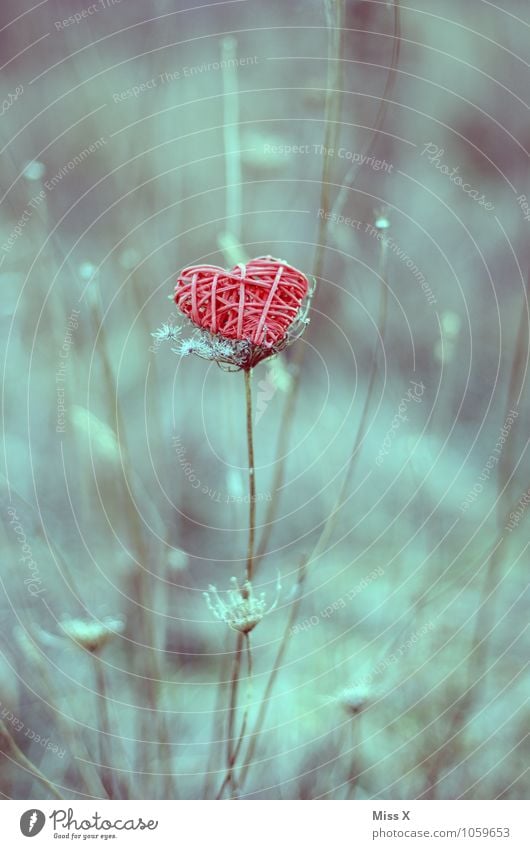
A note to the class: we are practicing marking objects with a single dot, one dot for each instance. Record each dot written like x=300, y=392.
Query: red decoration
x=257, y=301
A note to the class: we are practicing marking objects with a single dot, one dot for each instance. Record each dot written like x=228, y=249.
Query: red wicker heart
x=257, y=301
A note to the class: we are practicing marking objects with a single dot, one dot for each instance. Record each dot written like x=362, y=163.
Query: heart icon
x=257, y=301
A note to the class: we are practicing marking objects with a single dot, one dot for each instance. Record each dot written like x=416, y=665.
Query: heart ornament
x=255, y=302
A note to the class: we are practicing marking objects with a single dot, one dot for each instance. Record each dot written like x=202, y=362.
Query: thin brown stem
x=232, y=710
x=516, y=383
x=262, y=712
x=9, y=748
x=349, y=181
x=333, y=106
x=331, y=131
x=105, y=751
x=251, y=474
x=329, y=526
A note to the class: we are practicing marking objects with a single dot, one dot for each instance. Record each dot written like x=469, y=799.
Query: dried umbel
x=242, y=610
x=355, y=699
x=243, y=315
x=91, y=634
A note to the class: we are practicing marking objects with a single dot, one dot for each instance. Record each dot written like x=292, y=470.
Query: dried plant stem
x=142, y=587
x=105, y=749
x=329, y=525
x=231, y=137
x=478, y=653
x=233, y=745
x=516, y=383
x=216, y=733
x=331, y=131
x=264, y=704
x=353, y=772
x=251, y=474
x=332, y=113
x=11, y=751
x=349, y=181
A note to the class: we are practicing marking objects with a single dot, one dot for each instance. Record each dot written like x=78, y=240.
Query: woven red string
x=257, y=301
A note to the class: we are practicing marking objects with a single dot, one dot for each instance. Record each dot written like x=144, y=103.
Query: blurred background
x=138, y=140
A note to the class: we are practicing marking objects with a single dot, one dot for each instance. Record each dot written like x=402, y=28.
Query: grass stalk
x=11, y=751
x=105, y=745
x=243, y=640
x=234, y=745
x=231, y=137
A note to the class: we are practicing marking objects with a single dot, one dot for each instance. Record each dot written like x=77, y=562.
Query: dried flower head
x=382, y=218
x=242, y=610
x=167, y=333
x=92, y=634
x=355, y=699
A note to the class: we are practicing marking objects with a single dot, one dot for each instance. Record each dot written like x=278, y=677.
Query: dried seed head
x=91, y=634
x=355, y=699
x=381, y=218
x=177, y=560
x=167, y=333
x=241, y=609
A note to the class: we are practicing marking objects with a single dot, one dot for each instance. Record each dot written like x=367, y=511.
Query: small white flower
x=34, y=170
x=208, y=346
x=355, y=699
x=91, y=634
x=242, y=610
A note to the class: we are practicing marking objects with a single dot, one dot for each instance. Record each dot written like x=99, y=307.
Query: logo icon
x=32, y=822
